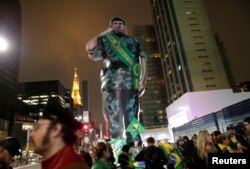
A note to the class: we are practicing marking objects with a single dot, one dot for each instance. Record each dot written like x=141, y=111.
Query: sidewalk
x=30, y=166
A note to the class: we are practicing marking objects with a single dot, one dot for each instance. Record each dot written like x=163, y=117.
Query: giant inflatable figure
x=123, y=76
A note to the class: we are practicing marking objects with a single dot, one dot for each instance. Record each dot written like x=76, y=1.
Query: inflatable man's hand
x=141, y=88
x=106, y=31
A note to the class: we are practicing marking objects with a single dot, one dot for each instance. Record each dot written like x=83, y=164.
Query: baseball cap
x=116, y=18
x=12, y=145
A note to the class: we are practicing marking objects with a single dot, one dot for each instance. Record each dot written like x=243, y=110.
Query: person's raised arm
x=91, y=46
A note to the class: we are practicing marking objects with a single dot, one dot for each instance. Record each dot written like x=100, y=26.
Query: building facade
x=35, y=95
x=153, y=102
x=10, y=44
x=190, y=56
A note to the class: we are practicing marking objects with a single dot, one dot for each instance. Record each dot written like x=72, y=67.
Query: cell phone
x=141, y=163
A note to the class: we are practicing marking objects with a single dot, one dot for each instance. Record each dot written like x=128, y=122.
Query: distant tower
x=75, y=94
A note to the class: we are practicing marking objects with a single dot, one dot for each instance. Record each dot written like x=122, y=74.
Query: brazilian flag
x=135, y=128
x=176, y=158
x=173, y=155
x=166, y=147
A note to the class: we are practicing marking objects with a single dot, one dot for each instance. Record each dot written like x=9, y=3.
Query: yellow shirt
x=224, y=148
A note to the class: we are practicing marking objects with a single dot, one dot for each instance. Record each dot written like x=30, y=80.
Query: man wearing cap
x=53, y=137
x=8, y=149
x=123, y=77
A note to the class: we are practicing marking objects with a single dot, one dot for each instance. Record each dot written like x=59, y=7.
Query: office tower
x=10, y=40
x=85, y=94
x=153, y=102
x=190, y=57
x=36, y=94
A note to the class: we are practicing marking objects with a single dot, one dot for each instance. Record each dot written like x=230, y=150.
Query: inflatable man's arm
x=92, y=46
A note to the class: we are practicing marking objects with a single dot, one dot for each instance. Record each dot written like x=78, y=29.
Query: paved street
x=34, y=166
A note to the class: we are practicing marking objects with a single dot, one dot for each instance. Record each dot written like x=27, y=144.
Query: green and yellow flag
x=135, y=128
x=117, y=144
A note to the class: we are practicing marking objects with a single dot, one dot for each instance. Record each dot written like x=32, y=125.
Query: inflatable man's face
x=118, y=27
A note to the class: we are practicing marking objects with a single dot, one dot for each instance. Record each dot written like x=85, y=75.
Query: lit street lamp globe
x=3, y=44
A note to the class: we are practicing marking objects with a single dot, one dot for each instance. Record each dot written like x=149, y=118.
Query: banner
x=117, y=144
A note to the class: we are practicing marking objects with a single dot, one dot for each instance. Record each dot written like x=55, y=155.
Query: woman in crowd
x=205, y=145
x=100, y=154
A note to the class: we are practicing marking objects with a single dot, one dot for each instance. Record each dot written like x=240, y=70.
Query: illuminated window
x=192, y=18
x=203, y=56
x=198, y=37
x=209, y=78
x=194, y=24
x=206, y=63
x=34, y=97
x=179, y=67
x=201, y=50
x=212, y=85
x=195, y=30
x=207, y=70
x=199, y=43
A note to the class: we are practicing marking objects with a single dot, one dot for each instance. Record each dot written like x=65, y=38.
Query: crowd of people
x=53, y=137
x=185, y=153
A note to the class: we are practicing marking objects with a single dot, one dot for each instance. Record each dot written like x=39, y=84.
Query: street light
x=27, y=127
x=3, y=44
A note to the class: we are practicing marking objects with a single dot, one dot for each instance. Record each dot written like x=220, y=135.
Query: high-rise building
x=153, y=102
x=190, y=57
x=85, y=94
x=85, y=106
x=10, y=44
x=36, y=94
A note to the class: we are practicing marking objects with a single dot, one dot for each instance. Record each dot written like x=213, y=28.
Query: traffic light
x=85, y=127
x=105, y=137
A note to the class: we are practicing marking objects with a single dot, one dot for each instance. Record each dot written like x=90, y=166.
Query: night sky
x=55, y=32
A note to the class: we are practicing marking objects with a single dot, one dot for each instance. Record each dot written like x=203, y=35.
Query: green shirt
x=101, y=164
